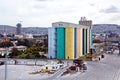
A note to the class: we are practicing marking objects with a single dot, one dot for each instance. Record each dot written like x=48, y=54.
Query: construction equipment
x=45, y=70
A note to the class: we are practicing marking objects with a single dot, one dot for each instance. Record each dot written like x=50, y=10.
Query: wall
x=88, y=40
x=51, y=43
x=81, y=41
x=60, y=42
x=78, y=46
x=91, y=38
x=69, y=42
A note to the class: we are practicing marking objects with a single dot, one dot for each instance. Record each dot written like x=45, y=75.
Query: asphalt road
x=106, y=69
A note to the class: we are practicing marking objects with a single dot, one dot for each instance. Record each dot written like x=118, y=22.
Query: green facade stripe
x=60, y=35
x=91, y=38
x=86, y=41
x=83, y=41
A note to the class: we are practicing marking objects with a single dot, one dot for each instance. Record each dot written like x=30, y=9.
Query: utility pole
x=6, y=53
x=6, y=63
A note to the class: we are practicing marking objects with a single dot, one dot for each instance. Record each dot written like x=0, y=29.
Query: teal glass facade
x=91, y=43
x=60, y=35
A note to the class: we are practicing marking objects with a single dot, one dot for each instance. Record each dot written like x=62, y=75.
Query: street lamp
x=6, y=63
x=6, y=53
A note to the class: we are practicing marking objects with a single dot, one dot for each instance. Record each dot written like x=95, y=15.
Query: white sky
x=42, y=13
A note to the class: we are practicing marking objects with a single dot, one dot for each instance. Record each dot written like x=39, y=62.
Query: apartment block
x=68, y=40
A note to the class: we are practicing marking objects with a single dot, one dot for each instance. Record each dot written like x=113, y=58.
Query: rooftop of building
x=67, y=24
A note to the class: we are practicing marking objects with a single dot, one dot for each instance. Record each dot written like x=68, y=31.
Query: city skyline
x=43, y=13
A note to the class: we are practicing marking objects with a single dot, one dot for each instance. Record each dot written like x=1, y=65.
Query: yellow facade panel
x=78, y=42
x=88, y=40
x=81, y=41
x=69, y=42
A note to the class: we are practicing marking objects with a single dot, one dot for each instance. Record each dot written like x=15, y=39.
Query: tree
x=6, y=44
x=25, y=42
x=14, y=53
x=43, y=45
x=20, y=42
x=32, y=52
x=28, y=43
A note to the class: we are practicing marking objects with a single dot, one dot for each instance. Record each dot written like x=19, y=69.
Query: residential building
x=68, y=40
x=20, y=48
x=26, y=36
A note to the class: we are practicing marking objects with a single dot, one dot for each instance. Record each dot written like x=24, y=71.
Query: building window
x=60, y=24
x=53, y=67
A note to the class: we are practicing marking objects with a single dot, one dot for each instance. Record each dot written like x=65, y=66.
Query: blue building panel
x=75, y=37
x=51, y=43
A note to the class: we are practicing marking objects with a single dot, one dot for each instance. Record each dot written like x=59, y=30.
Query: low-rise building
x=3, y=50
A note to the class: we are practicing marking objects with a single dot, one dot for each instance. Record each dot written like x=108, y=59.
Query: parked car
x=1, y=63
x=81, y=64
x=72, y=68
x=78, y=61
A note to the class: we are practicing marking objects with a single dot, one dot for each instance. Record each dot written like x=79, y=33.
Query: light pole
x=6, y=63
x=6, y=53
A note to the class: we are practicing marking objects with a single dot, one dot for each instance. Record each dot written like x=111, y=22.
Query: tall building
x=18, y=31
x=85, y=22
x=68, y=40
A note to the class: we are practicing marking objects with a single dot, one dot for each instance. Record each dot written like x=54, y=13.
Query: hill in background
x=97, y=28
x=25, y=30
x=106, y=28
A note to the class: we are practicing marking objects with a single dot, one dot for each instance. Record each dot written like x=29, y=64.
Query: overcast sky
x=42, y=13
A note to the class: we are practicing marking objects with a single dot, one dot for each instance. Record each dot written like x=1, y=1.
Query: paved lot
x=25, y=67
x=106, y=69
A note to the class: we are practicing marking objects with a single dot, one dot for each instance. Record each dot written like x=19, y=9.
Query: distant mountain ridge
x=25, y=30
x=97, y=28
x=106, y=28
x=7, y=29
x=35, y=30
